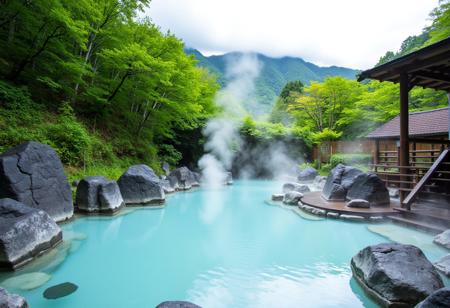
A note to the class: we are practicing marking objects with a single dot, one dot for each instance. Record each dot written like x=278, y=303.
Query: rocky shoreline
x=35, y=195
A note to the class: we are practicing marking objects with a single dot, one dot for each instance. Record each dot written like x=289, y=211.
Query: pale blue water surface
x=216, y=248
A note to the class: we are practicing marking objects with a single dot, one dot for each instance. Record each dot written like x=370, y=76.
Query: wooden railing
x=429, y=177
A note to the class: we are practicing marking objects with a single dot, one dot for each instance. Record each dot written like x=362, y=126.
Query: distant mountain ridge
x=275, y=73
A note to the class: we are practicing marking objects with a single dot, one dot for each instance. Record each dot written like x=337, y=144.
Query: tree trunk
x=116, y=90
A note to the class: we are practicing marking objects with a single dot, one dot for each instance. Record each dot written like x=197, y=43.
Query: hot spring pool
x=216, y=248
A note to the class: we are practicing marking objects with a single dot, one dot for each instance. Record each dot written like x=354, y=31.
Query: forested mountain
x=275, y=73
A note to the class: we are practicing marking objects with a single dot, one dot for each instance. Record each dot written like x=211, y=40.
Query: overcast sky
x=351, y=33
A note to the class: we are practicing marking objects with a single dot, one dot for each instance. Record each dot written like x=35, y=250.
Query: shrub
x=350, y=159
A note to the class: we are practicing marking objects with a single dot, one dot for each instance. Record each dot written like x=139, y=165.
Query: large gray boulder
x=339, y=181
x=368, y=186
x=8, y=300
x=307, y=175
x=439, y=299
x=183, y=178
x=395, y=274
x=291, y=186
x=25, y=233
x=443, y=239
x=33, y=174
x=177, y=304
x=139, y=185
x=292, y=197
x=96, y=194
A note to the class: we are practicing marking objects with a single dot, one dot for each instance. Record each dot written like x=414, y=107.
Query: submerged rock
x=98, y=194
x=60, y=290
x=185, y=178
x=8, y=300
x=368, y=186
x=359, y=203
x=33, y=174
x=439, y=299
x=177, y=304
x=25, y=233
x=307, y=175
x=139, y=185
x=443, y=265
x=443, y=239
x=339, y=181
x=28, y=281
x=291, y=186
x=395, y=274
x=292, y=197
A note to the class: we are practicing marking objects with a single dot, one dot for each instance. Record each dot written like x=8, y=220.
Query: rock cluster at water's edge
x=439, y=299
x=443, y=239
x=33, y=174
x=395, y=275
x=349, y=183
x=183, y=178
x=292, y=186
x=307, y=175
x=25, y=233
x=139, y=185
x=8, y=300
x=98, y=194
x=292, y=197
x=339, y=181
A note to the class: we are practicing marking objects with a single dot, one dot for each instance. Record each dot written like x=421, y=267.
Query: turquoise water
x=217, y=248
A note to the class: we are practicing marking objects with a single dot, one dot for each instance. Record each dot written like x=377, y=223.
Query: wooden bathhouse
x=419, y=165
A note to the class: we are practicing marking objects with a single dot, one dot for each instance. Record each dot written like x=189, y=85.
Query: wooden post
x=377, y=152
x=404, y=129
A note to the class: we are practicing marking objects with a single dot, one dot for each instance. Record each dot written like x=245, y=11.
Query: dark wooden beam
x=434, y=76
x=404, y=127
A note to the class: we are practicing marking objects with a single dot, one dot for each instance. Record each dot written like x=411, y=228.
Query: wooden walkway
x=315, y=199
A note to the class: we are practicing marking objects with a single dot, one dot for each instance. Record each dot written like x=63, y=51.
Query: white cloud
x=352, y=33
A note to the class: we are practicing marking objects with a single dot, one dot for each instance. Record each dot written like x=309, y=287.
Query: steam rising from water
x=222, y=132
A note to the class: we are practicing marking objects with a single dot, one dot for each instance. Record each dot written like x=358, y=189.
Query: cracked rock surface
x=8, y=300
x=395, y=274
x=183, y=179
x=25, y=233
x=33, y=174
x=139, y=185
x=98, y=194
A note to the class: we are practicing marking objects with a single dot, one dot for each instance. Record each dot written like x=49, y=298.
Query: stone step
x=428, y=214
x=411, y=222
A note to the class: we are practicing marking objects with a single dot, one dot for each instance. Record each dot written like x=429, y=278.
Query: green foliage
x=97, y=83
x=350, y=159
x=440, y=28
x=325, y=135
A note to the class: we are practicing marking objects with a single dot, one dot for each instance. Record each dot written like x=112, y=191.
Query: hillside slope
x=275, y=73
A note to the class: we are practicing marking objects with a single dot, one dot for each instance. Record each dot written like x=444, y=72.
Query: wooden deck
x=315, y=199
